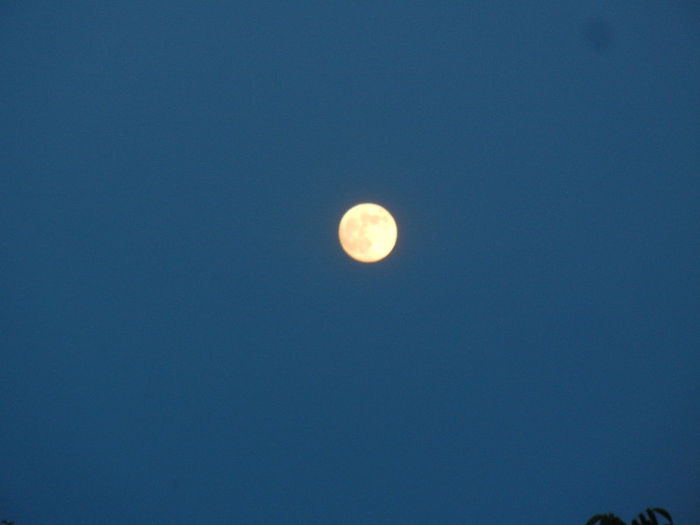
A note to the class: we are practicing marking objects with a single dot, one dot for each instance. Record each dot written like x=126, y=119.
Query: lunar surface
x=367, y=232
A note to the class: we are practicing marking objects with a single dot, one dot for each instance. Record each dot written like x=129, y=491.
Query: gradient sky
x=182, y=339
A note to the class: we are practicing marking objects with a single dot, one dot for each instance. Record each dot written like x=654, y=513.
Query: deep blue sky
x=182, y=340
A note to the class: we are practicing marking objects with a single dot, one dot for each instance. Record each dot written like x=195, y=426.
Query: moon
x=367, y=232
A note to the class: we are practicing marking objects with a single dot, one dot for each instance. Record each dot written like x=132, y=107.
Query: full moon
x=367, y=232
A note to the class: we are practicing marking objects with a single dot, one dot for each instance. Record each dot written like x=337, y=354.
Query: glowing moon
x=367, y=232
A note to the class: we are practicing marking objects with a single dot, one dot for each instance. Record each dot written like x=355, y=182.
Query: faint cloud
x=599, y=34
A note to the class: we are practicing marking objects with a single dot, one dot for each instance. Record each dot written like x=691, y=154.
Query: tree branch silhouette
x=649, y=519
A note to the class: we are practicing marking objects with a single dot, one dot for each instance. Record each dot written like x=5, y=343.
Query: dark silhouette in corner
x=611, y=519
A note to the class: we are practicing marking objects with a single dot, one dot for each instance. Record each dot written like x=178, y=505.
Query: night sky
x=183, y=340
